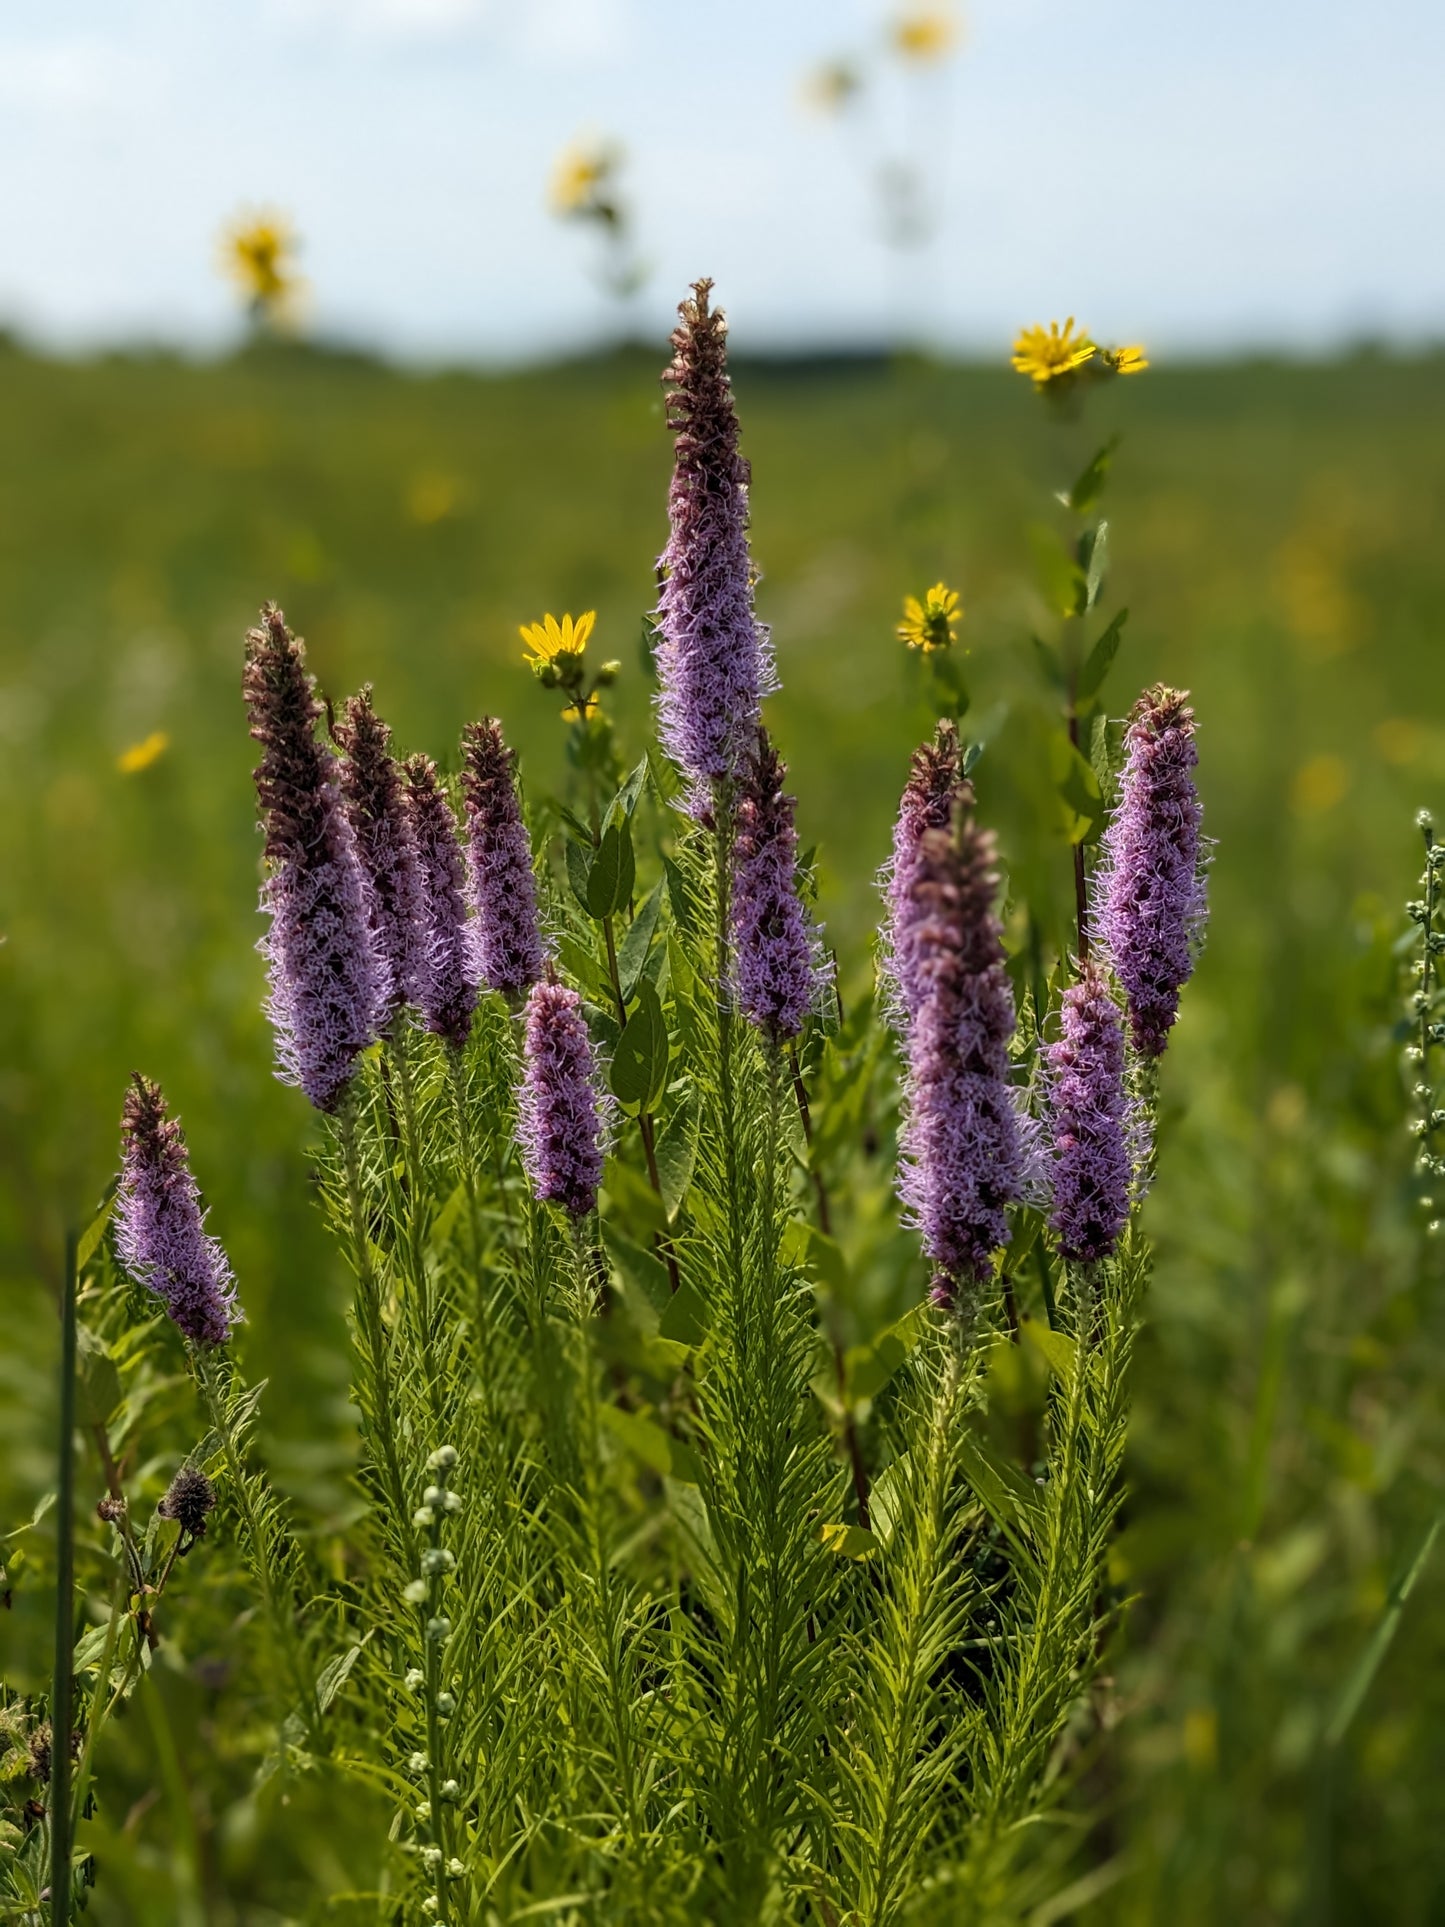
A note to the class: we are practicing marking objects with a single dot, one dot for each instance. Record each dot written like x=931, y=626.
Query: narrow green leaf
x=677, y=1153
x=90, y=1238
x=1001, y=1490
x=1062, y=579
x=1094, y=559
x=97, y=1382
x=334, y=1675
x=1368, y=1664
x=868, y=1368
x=637, y=940
x=609, y=882
x=1080, y=797
x=1099, y=661
x=1049, y=661
x=620, y=809
x=579, y=866
x=1090, y=484
x=639, y=1063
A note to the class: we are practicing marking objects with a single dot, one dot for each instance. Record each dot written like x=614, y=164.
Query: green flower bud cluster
x=439, y=1507
x=1423, y=1016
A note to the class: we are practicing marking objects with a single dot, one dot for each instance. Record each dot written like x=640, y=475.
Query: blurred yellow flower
x=549, y=638
x=1399, y=739
x=932, y=623
x=432, y=497
x=1319, y=785
x=581, y=170
x=1045, y=354
x=1125, y=361
x=831, y=86
x=925, y=33
x=141, y=755
x=257, y=254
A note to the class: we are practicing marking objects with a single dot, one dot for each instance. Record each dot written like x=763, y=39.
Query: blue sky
x=1250, y=173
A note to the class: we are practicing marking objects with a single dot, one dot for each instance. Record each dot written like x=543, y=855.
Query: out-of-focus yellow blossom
x=831, y=86
x=925, y=33
x=141, y=755
x=932, y=623
x=549, y=639
x=1125, y=361
x=1319, y=785
x=257, y=253
x=582, y=171
x=1399, y=739
x=432, y=497
x=1047, y=354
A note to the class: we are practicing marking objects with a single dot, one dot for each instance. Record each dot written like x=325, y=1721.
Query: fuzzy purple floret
x=774, y=954
x=714, y=659
x=1151, y=888
x=560, y=1115
x=966, y=1149
x=1089, y=1124
x=510, y=953
x=160, y=1230
x=327, y=984
x=376, y=809
x=450, y=993
x=936, y=789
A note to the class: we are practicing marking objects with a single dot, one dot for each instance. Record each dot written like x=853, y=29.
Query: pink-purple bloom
x=376, y=808
x=714, y=659
x=560, y=1115
x=1089, y=1124
x=936, y=789
x=160, y=1228
x=966, y=1149
x=327, y=984
x=449, y=996
x=1150, y=889
x=510, y=953
x=773, y=951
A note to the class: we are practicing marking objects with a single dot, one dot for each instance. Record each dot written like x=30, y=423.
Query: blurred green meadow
x=1275, y=533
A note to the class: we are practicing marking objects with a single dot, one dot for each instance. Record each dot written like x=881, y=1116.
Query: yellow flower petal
x=141, y=755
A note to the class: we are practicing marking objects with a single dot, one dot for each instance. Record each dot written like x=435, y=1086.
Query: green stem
x=62, y=1686
x=422, y=1309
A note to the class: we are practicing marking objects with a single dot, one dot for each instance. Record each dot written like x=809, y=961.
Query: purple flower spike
x=934, y=792
x=376, y=808
x=510, y=952
x=966, y=1150
x=328, y=986
x=1150, y=889
x=714, y=659
x=775, y=963
x=159, y=1224
x=1089, y=1123
x=560, y=1116
x=450, y=995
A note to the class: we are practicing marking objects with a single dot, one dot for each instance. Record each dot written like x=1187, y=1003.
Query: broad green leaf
x=686, y=1318
x=579, y=866
x=637, y=940
x=1055, y=1347
x=684, y=903
x=1098, y=663
x=1090, y=485
x=824, y=1258
x=1002, y=1490
x=1078, y=787
x=97, y=1382
x=854, y=1542
x=639, y=1063
x=1093, y=561
x=625, y=802
x=1063, y=581
x=677, y=1153
x=90, y=1238
x=1049, y=661
x=334, y=1675
x=638, y=1270
x=610, y=880
x=42, y=1506
x=633, y=1197
x=868, y=1368
x=670, y=1458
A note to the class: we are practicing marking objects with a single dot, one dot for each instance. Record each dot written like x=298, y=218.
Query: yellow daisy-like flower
x=141, y=755
x=932, y=623
x=580, y=171
x=549, y=639
x=1046, y=354
x=1125, y=361
x=925, y=33
x=257, y=253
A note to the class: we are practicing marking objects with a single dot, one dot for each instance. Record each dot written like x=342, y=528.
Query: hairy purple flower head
x=966, y=1147
x=560, y=1114
x=1089, y=1123
x=450, y=995
x=936, y=789
x=774, y=960
x=327, y=984
x=511, y=955
x=376, y=809
x=1150, y=888
x=714, y=659
x=160, y=1229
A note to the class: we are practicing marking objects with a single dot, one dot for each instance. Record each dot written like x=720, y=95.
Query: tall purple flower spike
x=966, y=1149
x=935, y=790
x=376, y=808
x=560, y=1115
x=328, y=986
x=1089, y=1123
x=714, y=659
x=510, y=953
x=450, y=995
x=1150, y=888
x=776, y=968
x=159, y=1224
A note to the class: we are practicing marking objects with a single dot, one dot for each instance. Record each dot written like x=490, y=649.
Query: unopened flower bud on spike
x=328, y=987
x=510, y=953
x=560, y=1115
x=775, y=960
x=160, y=1226
x=451, y=990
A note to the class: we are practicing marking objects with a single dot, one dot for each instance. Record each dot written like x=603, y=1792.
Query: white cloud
x=79, y=76
x=381, y=19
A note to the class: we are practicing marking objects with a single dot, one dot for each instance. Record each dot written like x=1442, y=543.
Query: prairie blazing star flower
x=328, y=986
x=450, y=995
x=510, y=953
x=376, y=809
x=932, y=623
x=160, y=1228
x=714, y=659
x=935, y=791
x=190, y=1499
x=1089, y=1123
x=560, y=1115
x=966, y=1148
x=1150, y=887
x=1049, y=354
x=772, y=946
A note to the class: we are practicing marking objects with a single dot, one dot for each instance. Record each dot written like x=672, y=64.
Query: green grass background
x=1275, y=531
